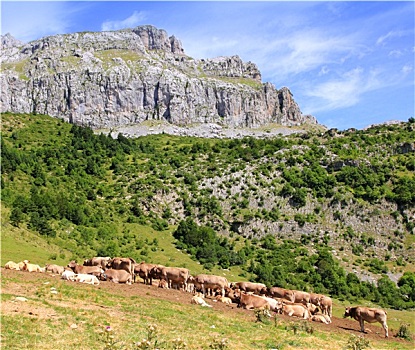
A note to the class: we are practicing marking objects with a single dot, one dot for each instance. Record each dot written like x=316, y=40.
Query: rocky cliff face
x=110, y=79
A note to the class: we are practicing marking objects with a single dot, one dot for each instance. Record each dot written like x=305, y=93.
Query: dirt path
x=339, y=325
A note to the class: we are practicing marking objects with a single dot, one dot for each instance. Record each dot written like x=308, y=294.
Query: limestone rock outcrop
x=110, y=79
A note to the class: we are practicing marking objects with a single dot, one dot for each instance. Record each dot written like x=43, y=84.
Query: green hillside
x=329, y=203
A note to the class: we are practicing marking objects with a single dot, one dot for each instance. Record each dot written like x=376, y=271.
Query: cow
x=31, y=267
x=91, y=270
x=68, y=275
x=251, y=301
x=198, y=300
x=224, y=300
x=11, y=265
x=256, y=288
x=297, y=310
x=126, y=264
x=56, y=269
x=97, y=261
x=117, y=276
x=143, y=270
x=315, y=298
x=234, y=295
x=371, y=315
x=85, y=278
x=211, y=282
x=321, y=318
x=163, y=284
x=326, y=305
x=274, y=304
x=298, y=296
x=173, y=275
x=277, y=292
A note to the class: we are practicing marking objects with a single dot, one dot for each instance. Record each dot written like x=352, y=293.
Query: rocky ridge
x=120, y=78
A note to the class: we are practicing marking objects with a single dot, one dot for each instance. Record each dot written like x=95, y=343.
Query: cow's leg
x=203, y=291
x=362, y=324
x=385, y=327
x=223, y=292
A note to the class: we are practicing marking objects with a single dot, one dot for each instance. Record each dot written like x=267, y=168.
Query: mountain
x=117, y=78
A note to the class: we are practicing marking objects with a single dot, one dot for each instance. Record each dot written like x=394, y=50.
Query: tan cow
x=296, y=310
x=126, y=264
x=56, y=269
x=173, y=275
x=326, y=305
x=11, y=265
x=31, y=267
x=371, y=315
x=315, y=298
x=321, y=318
x=278, y=292
x=92, y=270
x=299, y=296
x=198, y=300
x=143, y=270
x=117, y=276
x=210, y=282
x=256, y=288
x=224, y=300
x=251, y=301
x=98, y=261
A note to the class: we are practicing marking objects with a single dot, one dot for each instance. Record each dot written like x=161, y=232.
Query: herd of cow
x=247, y=295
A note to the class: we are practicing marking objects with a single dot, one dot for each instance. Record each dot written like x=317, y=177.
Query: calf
x=371, y=315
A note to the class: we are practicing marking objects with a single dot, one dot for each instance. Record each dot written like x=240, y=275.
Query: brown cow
x=173, y=275
x=91, y=270
x=98, y=261
x=256, y=288
x=126, y=264
x=211, y=282
x=300, y=297
x=251, y=301
x=277, y=292
x=117, y=276
x=371, y=315
x=143, y=270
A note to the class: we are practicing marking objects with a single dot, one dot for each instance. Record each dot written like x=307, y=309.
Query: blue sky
x=350, y=64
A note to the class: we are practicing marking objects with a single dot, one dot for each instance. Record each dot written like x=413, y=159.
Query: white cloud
x=344, y=91
x=395, y=53
x=28, y=21
x=390, y=35
x=407, y=69
x=135, y=19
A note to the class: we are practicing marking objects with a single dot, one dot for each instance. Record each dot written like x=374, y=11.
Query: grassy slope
x=91, y=308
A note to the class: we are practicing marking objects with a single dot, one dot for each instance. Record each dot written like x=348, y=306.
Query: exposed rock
x=118, y=78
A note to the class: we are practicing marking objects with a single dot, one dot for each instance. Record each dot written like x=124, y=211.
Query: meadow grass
x=76, y=317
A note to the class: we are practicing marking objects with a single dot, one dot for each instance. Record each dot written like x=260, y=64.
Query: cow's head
x=72, y=264
x=346, y=312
